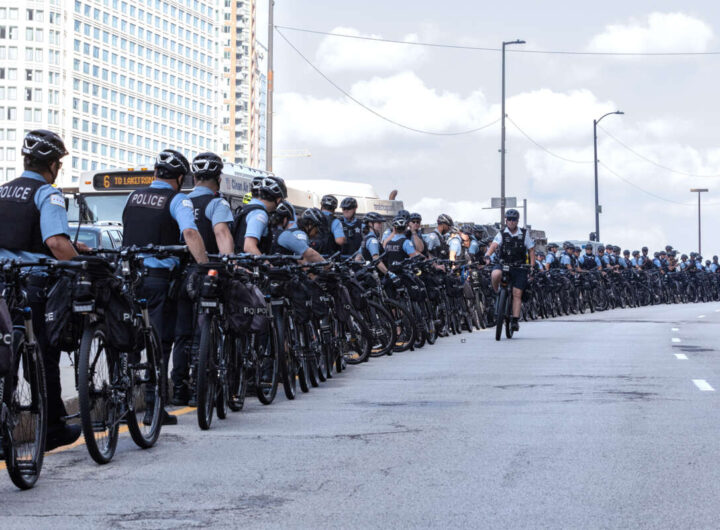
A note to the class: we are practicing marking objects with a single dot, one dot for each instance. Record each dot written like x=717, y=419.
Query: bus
x=106, y=191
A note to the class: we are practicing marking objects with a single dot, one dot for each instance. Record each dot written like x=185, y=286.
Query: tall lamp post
x=699, y=191
x=597, y=204
x=502, y=134
x=270, y=90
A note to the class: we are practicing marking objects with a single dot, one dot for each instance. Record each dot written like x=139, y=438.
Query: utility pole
x=502, y=134
x=270, y=84
x=597, y=204
x=524, y=212
x=699, y=191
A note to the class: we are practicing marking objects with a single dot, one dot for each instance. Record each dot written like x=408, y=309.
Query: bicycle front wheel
x=25, y=428
x=501, y=312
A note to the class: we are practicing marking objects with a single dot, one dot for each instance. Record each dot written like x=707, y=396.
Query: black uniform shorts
x=518, y=276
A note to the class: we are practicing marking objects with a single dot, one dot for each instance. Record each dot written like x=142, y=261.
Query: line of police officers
x=35, y=224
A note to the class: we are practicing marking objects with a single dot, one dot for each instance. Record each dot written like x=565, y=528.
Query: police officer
x=568, y=260
x=415, y=233
x=34, y=221
x=398, y=247
x=588, y=261
x=645, y=260
x=371, y=247
x=295, y=240
x=470, y=246
x=159, y=214
x=213, y=218
x=714, y=266
x=435, y=241
x=515, y=247
x=330, y=236
x=351, y=225
x=251, y=226
x=551, y=260
x=624, y=260
x=540, y=261
x=636, y=260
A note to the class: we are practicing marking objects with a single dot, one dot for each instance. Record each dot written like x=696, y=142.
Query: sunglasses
x=511, y=220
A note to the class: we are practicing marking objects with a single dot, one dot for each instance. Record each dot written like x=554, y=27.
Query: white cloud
x=339, y=53
x=403, y=97
x=660, y=32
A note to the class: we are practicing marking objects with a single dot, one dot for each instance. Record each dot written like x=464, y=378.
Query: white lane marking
x=674, y=329
x=675, y=339
x=701, y=316
x=681, y=356
x=703, y=385
x=717, y=310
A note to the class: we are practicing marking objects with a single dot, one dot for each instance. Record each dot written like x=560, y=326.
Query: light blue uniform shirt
x=373, y=246
x=296, y=241
x=455, y=244
x=257, y=221
x=565, y=260
x=584, y=257
x=336, y=226
x=218, y=210
x=550, y=258
x=53, y=217
x=181, y=209
x=657, y=263
x=474, y=247
x=623, y=262
x=714, y=267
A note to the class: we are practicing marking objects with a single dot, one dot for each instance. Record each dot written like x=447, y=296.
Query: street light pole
x=597, y=204
x=699, y=191
x=270, y=89
x=502, y=134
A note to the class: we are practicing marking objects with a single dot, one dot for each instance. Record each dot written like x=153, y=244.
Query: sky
x=670, y=105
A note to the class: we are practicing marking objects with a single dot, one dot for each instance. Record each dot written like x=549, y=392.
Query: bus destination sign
x=122, y=180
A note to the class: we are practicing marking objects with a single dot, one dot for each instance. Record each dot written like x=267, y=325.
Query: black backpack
x=247, y=309
x=6, y=339
x=61, y=324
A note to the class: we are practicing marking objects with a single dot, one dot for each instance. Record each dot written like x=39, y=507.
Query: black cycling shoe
x=165, y=418
x=515, y=324
x=64, y=435
x=180, y=395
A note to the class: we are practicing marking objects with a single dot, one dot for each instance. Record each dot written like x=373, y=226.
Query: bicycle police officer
x=515, y=247
x=35, y=224
x=213, y=218
x=160, y=215
x=351, y=225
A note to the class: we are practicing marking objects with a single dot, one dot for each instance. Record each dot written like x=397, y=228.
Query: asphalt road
x=596, y=421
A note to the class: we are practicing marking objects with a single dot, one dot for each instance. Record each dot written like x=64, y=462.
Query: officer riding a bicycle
x=515, y=247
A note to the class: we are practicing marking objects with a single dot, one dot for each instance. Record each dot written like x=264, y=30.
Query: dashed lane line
x=674, y=329
x=703, y=385
x=675, y=339
x=681, y=356
x=123, y=429
x=701, y=316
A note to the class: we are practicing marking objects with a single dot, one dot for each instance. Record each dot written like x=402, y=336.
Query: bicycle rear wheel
x=268, y=368
x=207, y=372
x=288, y=367
x=145, y=391
x=25, y=427
x=500, y=312
x=404, y=328
x=237, y=375
x=382, y=329
x=100, y=408
x=357, y=339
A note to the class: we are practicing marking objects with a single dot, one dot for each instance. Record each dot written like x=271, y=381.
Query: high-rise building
x=119, y=80
x=244, y=113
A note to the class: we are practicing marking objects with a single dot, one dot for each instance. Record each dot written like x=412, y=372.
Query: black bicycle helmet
x=570, y=246
x=553, y=245
x=601, y=248
x=684, y=256
x=403, y=213
x=626, y=252
x=445, y=219
x=644, y=249
x=512, y=214
x=43, y=145
x=588, y=246
x=373, y=217
x=467, y=229
x=283, y=211
x=616, y=249
x=635, y=252
x=715, y=258
x=415, y=217
x=699, y=257
x=668, y=248
x=656, y=254
x=281, y=184
x=267, y=188
x=312, y=217
x=171, y=164
x=348, y=203
x=329, y=202
x=400, y=222
x=207, y=166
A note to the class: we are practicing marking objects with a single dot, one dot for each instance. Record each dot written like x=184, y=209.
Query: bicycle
x=505, y=303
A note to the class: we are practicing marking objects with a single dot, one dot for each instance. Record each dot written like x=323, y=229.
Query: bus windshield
x=103, y=207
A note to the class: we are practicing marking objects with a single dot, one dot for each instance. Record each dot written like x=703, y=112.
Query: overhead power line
x=539, y=146
x=630, y=183
x=490, y=49
x=653, y=162
x=373, y=111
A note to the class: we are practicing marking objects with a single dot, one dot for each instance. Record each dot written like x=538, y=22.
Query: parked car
x=98, y=235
